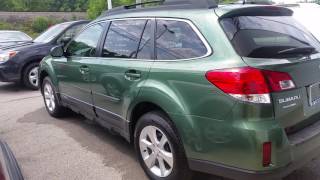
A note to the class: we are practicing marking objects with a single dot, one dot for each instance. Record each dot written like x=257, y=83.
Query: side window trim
x=140, y=39
x=102, y=38
x=153, y=26
x=195, y=29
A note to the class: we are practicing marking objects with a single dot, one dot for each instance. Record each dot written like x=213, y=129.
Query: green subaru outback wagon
x=230, y=90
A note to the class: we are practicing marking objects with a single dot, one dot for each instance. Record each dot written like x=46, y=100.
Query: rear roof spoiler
x=258, y=11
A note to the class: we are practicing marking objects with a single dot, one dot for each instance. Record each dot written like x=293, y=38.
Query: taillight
x=279, y=81
x=250, y=84
x=266, y=154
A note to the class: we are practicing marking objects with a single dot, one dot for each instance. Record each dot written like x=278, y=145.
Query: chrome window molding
x=189, y=22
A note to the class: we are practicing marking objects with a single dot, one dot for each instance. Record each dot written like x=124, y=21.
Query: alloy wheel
x=49, y=97
x=156, y=151
x=33, y=76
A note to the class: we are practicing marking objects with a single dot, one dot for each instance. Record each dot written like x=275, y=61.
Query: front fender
x=46, y=67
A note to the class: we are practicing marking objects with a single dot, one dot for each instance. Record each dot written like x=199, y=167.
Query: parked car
x=229, y=90
x=20, y=62
x=9, y=168
x=13, y=37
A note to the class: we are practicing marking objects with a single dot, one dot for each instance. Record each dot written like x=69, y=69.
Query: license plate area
x=314, y=94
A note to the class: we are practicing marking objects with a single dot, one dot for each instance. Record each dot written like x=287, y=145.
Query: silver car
x=13, y=37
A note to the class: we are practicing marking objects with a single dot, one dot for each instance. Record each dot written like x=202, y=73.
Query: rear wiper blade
x=307, y=50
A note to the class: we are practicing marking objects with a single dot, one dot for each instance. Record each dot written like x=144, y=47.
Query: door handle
x=132, y=75
x=84, y=70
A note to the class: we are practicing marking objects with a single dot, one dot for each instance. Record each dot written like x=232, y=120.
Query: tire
x=30, y=77
x=11, y=166
x=175, y=168
x=51, y=101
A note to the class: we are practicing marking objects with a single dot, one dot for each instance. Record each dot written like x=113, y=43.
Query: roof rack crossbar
x=208, y=4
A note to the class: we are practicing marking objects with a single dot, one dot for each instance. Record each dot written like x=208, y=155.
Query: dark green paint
x=213, y=126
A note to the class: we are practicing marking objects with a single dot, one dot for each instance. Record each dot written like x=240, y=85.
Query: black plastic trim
x=11, y=164
x=243, y=174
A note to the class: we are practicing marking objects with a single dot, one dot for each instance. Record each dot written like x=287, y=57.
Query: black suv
x=20, y=62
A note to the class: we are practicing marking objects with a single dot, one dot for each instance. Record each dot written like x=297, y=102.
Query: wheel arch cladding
x=47, y=70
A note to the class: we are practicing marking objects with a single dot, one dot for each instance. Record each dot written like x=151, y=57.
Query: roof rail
x=197, y=4
x=207, y=4
x=143, y=3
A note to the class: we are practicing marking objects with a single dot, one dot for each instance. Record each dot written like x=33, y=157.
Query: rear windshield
x=269, y=37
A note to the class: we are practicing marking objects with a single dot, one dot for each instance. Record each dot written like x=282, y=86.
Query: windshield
x=269, y=37
x=51, y=33
x=13, y=36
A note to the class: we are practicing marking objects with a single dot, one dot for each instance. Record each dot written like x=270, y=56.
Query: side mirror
x=57, y=51
x=65, y=40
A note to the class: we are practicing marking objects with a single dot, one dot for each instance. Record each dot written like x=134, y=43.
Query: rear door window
x=129, y=39
x=178, y=40
x=269, y=37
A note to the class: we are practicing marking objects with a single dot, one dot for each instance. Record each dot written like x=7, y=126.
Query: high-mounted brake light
x=250, y=84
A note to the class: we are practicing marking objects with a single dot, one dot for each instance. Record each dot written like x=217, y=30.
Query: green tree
x=43, y=5
x=96, y=7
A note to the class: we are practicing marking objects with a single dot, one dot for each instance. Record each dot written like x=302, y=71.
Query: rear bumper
x=304, y=146
x=242, y=174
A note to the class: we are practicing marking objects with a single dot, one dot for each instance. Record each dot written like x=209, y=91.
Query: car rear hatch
x=268, y=38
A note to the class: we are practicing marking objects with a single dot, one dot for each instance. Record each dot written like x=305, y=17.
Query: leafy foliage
x=43, y=5
x=31, y=27
x=40, y=24
x=96, y=7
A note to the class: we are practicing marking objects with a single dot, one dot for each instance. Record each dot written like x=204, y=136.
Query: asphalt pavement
x=73, y=148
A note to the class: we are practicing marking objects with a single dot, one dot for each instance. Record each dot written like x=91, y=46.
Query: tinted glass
x=177, y=40
x=146, y=47
x=71, y=32
x=269, y=37
x=123, y=39
x=51, y=33
x=86, y=42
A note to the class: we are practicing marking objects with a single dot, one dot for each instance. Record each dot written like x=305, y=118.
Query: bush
x=5, y=26
x=40, y=24
x=32, y=28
